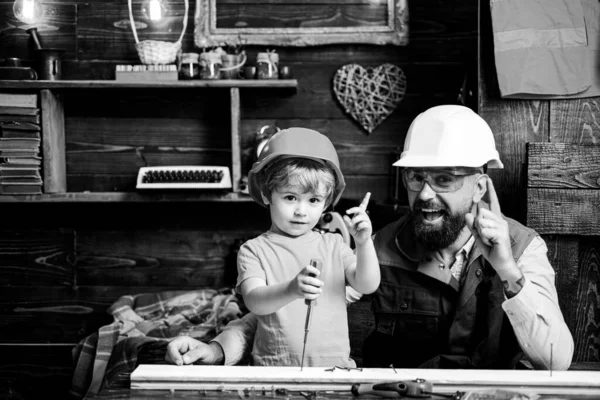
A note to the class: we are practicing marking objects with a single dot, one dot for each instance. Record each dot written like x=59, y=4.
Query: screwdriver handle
x=418, y=388
x=387, y=389
x=318, y=264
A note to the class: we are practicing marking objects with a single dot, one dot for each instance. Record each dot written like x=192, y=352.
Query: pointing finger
x=365, y=201
x=494, y=203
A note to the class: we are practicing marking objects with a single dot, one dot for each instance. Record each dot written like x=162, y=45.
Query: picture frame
x=391, y=28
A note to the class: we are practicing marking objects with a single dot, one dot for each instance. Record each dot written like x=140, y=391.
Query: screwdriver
x=415, y=389
x=309, y=303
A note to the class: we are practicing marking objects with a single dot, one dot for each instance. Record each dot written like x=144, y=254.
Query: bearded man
x=462, y=286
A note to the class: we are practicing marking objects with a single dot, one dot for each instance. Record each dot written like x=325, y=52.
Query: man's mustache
x=420, y=204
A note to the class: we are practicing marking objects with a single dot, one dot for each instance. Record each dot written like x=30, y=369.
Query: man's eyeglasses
x=443, y=181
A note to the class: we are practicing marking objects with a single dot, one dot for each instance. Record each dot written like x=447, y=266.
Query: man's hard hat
x=449, y=136
x=297, y=142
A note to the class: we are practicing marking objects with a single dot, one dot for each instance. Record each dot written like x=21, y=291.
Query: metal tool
x=318, y=265
x=418, y=388
x=415, y=389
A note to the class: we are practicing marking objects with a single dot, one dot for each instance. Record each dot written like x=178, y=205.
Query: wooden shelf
x=191, y=84
x=53, y=138
x=129, y=197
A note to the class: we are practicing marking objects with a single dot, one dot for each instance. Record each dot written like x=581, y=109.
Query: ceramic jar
x=189, y=67
x=267, y=66
x=210, y=65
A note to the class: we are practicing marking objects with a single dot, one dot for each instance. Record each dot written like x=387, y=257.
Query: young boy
x=297, y=176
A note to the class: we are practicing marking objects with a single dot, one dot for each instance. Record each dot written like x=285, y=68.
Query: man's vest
x=547, y=49
x=425, y=318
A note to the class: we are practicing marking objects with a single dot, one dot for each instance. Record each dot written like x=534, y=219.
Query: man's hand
x=185, y=350
x=491, y=232
x=359, y=225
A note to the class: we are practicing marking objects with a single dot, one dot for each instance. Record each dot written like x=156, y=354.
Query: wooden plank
x=36, y=257
x=183, y=84
x=158, y=131
x=53, y=142
x=178, y=213
x=127, y=104
x=49, y=314
x=94, y=163
x=575, y=121
x=358, y=185
x=587, y=327
x=129, y=197
x=63, y=324
x=563, y=165
x=169, y=256
x=563, y=253
x=34, y=372
x=102, y=167
x=235, y=117
x=563, y=211
x=199, y=377
x=343, y=132
x=115, y=268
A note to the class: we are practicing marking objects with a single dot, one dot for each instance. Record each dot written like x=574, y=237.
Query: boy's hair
x=307, y=173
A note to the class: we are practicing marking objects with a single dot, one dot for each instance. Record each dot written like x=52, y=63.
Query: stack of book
x=20, y=139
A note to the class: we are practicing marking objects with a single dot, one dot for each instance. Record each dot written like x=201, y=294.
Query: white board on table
x=217, y=377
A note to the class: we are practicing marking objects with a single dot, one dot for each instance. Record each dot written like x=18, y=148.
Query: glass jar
x=210, y=65
x=188, y=66
x=267, y=66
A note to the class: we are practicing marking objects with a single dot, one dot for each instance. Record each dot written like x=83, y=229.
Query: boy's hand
x=306, y=286
x=359, y=226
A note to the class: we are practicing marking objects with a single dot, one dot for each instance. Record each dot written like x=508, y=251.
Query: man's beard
x=438, y=238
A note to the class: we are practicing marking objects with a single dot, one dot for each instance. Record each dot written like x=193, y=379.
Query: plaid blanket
x=143, y=325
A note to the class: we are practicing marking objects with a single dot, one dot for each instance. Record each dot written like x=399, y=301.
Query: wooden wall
x=56, y=256
x=516, y=122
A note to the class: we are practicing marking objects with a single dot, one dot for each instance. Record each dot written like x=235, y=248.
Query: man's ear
x=480, y=188
x=403, y=179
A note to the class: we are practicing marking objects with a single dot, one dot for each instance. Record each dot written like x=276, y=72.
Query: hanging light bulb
x=28, y=11
x=155, y=10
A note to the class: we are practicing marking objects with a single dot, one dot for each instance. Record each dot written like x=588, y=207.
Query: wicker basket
x=156, y=51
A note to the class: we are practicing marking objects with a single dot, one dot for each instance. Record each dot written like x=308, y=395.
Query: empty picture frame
x=300, y=22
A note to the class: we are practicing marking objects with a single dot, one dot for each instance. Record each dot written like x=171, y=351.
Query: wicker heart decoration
x=369, y=95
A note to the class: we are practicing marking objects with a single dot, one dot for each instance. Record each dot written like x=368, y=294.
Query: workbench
x=141, y=394
x=292, y=383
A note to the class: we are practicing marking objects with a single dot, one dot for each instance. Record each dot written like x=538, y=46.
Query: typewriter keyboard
x=184, y=177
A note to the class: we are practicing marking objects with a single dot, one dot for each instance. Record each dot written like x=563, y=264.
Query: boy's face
x=295, y=212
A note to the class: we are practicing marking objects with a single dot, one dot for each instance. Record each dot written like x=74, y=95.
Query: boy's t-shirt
x=280, y=336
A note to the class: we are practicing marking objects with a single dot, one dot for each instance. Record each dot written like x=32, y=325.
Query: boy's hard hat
x=297, y=142
x=449, y=136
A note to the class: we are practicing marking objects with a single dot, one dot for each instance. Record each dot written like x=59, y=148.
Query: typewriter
x=184, y=177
